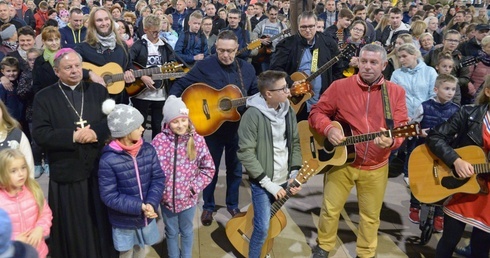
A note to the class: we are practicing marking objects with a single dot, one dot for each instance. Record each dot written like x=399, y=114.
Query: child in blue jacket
x=131, y=181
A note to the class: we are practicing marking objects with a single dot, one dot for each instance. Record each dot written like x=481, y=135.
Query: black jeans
x=155, y=109
x=453, y=230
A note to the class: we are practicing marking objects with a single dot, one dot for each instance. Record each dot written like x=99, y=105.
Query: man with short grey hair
x=345, y=101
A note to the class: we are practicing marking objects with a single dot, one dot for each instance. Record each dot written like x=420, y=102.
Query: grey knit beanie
x=121, y=119
x=174, y=108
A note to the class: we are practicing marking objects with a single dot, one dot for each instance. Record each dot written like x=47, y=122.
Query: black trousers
x=453, y=230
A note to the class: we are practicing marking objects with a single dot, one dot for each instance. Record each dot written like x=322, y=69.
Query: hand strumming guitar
x=148, y=81
x=265, y=41
x=463, y=168
x=335, y=136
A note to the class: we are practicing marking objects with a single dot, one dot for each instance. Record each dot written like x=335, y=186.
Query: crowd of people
x=411, y=62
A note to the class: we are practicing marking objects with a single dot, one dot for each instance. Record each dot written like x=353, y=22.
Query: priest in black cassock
x=69, y=124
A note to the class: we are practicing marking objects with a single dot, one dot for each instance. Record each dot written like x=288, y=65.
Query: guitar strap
x=314, y=61
x=386, y=107
x=244, y=92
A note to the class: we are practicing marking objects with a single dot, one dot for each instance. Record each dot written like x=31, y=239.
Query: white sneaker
x=38, y=171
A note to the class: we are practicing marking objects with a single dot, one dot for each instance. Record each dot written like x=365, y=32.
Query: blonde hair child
x=23, y=199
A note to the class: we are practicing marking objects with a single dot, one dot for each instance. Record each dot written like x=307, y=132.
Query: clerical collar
x=69, y=86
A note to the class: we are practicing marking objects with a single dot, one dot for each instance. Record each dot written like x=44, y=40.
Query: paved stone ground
x=398, y=237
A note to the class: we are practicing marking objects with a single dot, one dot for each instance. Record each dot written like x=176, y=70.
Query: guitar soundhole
x=329, y=148
x=225, y=104
x=107, y=79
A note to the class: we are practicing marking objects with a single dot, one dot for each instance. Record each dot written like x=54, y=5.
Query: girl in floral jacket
x=188, y=168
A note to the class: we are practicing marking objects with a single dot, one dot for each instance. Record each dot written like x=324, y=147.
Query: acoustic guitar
x=317, y=146
x=251, y=46
x=432, y=181
x=239, y=228
x=264, y=50
x=139, y=86
x=302, y=92
x=113, y=74
x=209, y=108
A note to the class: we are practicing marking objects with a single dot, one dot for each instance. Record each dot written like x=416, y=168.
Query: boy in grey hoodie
x=269, y=150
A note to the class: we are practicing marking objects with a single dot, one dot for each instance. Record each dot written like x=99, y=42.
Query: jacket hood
x=421, y=64
x=258, y=102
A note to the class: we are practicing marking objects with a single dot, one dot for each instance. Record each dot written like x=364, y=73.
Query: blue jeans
x=261, y=201
x=176, y=223
x=216, y=143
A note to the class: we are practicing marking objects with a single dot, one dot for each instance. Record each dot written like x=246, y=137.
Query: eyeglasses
x=357, y=29
x=222, y=51
x=154, y=33
x=452, y=40
x=284, y=89
x=305, y=27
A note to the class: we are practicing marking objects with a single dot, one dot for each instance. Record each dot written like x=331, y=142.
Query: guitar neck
x=137, y=73
x=241, y=51
x=351, y=140
x=482, y=168
x=146, y=71
x=278, y=35
x=322, y=69
x=239, y=102
x=163, y=76
x=468, y=62
x=277, y=205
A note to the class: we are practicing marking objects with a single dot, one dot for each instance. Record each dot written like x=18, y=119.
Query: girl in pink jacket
x=23, y=199
x=188, y=167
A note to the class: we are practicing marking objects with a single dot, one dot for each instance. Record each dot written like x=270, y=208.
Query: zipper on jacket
x=21, y=214
x=367, y=122
x=175, y=170
x=299, y=60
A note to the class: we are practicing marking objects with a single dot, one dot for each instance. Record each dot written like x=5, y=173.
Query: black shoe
x=317, y=252
x=206, y=217
x=233, y=212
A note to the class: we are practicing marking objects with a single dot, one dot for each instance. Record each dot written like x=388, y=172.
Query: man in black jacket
x=473, y=46
x=295, y=54
x=151, y=51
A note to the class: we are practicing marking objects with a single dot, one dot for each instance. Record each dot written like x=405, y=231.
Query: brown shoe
x=206, y=217
x=233, y=212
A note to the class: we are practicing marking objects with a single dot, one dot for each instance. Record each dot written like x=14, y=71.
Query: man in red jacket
x=357, y=101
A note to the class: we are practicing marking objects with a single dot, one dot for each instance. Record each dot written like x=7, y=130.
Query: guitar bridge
x=313, y=147
x=435, y=173
x=205, y=109
x=245, y=237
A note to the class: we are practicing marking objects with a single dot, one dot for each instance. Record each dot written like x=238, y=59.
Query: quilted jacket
x=23, y=212
x=126, y=182
x=185, y=178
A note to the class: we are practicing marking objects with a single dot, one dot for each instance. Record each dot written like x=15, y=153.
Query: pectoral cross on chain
x=81, y=122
